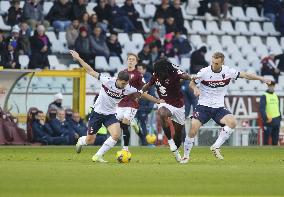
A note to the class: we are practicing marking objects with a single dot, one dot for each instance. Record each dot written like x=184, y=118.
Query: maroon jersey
x=170, y=89
x=136, y=81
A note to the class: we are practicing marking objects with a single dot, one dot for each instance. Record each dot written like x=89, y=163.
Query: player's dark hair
x=123, y=75
x=163, y=68
x=144, y=66
x=39, y=112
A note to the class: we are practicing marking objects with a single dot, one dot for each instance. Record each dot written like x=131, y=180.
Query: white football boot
x=175, y=151
x=184, y=160
x=217, y=152
x=98, y=158
x=79, y=147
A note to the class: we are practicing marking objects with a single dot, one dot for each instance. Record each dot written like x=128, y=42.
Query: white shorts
x=178, y=114
x=125, y=112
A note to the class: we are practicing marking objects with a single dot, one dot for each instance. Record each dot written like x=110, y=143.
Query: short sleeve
x=199, y=75
x=233, y=73
x=103, y=78
x=130, y=90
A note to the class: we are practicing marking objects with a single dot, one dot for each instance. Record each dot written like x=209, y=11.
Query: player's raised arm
x=251, y=76
x=86, y=66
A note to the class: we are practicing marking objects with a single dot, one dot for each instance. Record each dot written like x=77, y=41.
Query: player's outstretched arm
x=186, y=76
x=251, y=76
x=193, y=86
x=151, y=98
x=146, y=87
x=86, y=66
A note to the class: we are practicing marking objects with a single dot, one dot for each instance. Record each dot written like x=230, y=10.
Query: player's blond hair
x=133, y=54
x=218, y=55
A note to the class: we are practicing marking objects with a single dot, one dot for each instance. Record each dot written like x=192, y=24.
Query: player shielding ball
x=113, y=90
x=167, y=80
x=213, y=85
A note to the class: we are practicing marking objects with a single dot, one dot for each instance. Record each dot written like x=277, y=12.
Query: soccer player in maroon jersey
x=128, y=106
x=167, y=80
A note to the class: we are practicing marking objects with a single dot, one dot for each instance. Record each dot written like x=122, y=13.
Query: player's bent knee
x=125, y=121
x=90, y=139
x=232, y=123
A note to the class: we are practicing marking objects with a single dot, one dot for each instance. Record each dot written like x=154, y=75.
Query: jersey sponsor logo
x=113, y=94
x=216, y=84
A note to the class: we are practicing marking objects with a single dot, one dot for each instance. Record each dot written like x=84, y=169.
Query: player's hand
x=269, y=119
x=267, y=81
x=161, y=101
x=196, y=92
x=74, y=54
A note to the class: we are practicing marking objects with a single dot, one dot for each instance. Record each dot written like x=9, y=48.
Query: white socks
x=223, y=136
x=108, y=144
x=172, y=144
x=125, y=148
x=82, y=141
x=188, y=144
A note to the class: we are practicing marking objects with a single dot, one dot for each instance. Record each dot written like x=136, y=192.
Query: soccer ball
x=123, y=156
x=151, y=138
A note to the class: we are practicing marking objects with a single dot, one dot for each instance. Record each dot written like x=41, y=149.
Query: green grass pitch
x=59, y=171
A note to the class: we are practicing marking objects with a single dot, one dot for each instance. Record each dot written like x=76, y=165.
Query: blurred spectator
x=219, y=8
x=10, y=58
x=163, y=10
x=269, y=67
x=114, y=46
x=160, y=25
x=197, y=60
x=145, y=106
x=171, y=25
x=280, y=65
x=98, y=43
x=271, y=115
x=60, y=15
x=78, y=124
x=25, y=34
x=33, y=14
x=72, y=33
x=176, y=13
x=132, y=14
x=154, y=39
x=181, y=45
x=169, y=45
x=93, y=22
x=57, y=102
x=155, y=55
x=14, y=13
x=40, y=48
x=2, y=47
x=189, y=98
x=84, y=21
x=78, y=9
x=280, y=20
x=61, y=127
x=42, y=132
x=271, y=9
x=103, y=11
x=68, y=114
x=82, y=45
x=145, y=55
x=203, y=7
x=16, y=40
x=119, y=18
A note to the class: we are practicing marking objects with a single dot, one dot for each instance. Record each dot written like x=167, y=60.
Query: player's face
x=216, y=64
x=121, y=84
x=131, y=61
x=141, y=70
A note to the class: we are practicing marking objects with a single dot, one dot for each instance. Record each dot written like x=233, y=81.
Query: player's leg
x=114, y=129
x=224, y=118
x=95, y=123
x=178, y=133
x=178, y=119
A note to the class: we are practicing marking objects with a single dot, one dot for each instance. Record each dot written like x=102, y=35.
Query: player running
x=214, y=81
x=113, y=90
x=167, y=80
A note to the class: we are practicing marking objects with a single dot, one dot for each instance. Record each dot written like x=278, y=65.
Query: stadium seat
x=150, y=10
x=196, y=40
x=139, y=9
x=247, y=51
x=4, y=6
x=238, y=13
x=281, y=80
x=262, y=51
x=232, y=50
x=90, y=6
x=198, y=27
x=73, y=66
x=255, y=41
x=241, y=41
x=255, y=28
x=174, y=61
x=54, y=63
x=243, y=65
x=242, y=28
x=114, y=62
x=138, y=38
x=185, y=64
x=227, y=41
x=252, y=14
x=123, y=38
x=47, y=6
x=57, y=45
x=186, y=15
x=212, y=40
x=273, y=45
x=101, y=63
x=3, y=26
x=269, y=28
x=226, y=27
x=24, y=61
x=145, y=27
x=212, y=27
x=282, y=42
x=237, y=56
x=187, y=26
